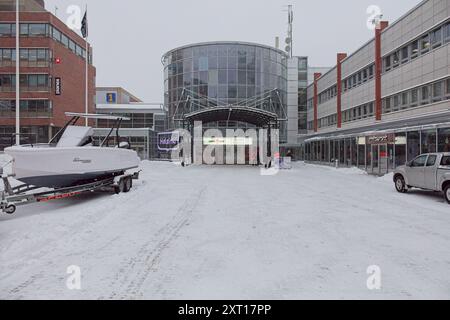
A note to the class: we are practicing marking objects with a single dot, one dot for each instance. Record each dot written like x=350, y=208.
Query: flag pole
x=17, y=75
x=87, y=70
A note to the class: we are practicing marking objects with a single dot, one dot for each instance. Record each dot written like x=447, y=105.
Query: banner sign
x=168, y=141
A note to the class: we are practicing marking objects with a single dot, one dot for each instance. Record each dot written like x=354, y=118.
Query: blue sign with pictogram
x=111, y=97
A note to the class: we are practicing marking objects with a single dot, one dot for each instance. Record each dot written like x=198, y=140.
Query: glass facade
x=224, y=74
x=380, y=153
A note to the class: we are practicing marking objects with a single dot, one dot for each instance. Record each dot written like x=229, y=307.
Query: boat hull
x=63, y=167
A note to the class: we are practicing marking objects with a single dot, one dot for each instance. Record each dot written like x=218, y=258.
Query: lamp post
x=17, y=75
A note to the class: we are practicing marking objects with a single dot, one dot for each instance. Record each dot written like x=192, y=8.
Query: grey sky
x=129, y=37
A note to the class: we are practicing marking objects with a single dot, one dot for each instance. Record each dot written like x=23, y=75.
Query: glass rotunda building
x=225, y=74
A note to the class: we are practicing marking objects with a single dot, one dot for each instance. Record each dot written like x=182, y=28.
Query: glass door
x=375, y=159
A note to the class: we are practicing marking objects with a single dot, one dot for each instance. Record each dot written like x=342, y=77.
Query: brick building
x=52, y=77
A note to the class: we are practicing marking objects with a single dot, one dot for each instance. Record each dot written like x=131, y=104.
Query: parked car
x=428, y=171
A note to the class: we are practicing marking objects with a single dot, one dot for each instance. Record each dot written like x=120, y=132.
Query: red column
x=316, y=100
x=378, y=68
x=340, y=58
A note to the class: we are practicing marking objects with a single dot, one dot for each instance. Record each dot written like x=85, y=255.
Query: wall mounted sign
x=168, y=141
x=58, y=86
x=381, y=139
x=111, y=97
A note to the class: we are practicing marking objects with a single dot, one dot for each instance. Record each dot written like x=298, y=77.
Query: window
x=425, y=96
x=387, y=105
x=437, y=91
x=37, y=29
x=56, y=35
x=405, y=54
x=414, y=97
x=65, y=40
x=445, y=161
x=387, y=63
x=447, y=92
x=447, y=32
x=396, y=103
x=419, y=161
x=431, y=160
x=436, y=38
x=396, y=60
x=7, y=29
x=371, y=72
x=404, y=100
x=72, y=46
x=425, y=44
x=414, y=49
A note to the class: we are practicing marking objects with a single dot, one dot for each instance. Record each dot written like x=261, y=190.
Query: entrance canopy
x=257, y=117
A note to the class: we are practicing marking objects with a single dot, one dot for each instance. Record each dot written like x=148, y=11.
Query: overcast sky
x=129, y=37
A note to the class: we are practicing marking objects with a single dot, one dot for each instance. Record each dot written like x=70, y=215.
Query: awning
x=253, y=116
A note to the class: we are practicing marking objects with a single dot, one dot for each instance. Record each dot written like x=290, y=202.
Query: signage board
x=381, y=139
x=228, y=141
x=168, y=141
x=111, y=97
x=58, y=86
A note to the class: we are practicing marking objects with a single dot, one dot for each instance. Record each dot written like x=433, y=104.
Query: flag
x=84, y=26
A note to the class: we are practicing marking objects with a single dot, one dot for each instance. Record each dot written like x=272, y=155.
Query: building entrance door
x=384, y=159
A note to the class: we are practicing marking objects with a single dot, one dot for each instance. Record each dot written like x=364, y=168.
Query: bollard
x=337, y=163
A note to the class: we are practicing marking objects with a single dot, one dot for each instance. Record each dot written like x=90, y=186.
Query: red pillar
x=316, y=100
x=378, y=68
x=340, y=58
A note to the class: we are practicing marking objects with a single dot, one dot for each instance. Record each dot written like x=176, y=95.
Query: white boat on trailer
x=71, y=158
x=70, y=164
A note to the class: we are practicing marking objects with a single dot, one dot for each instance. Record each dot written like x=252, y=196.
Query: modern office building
x=52, y=78
x=389, y=101
x=146, y=119
x=224, y=75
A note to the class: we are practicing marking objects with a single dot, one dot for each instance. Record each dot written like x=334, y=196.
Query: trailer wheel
x=11, y=209
x=128, y=184
x=447, y=193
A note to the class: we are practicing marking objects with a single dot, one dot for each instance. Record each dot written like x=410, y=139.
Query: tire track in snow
x=131, y=277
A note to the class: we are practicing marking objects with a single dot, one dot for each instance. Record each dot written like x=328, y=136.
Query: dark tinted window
x=431, y=160
x=445, y=161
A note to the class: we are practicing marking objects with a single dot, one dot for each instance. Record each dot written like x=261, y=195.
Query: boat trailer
x=12, y=197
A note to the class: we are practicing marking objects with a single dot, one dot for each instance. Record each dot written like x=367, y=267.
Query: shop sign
x=381, y=139
x=168, y=141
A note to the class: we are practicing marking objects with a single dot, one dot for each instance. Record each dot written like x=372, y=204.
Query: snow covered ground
x=230, y=233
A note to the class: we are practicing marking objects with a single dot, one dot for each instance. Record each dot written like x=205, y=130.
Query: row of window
x=328, y=94
x=225, y=50
x=28, y=57
x=33, y=81
x=429, y=41
x=423, y=44
x=348, y=83
x=28, y=108
x=359, y=78
x=43, y=30
x=224, y=63
x=423, y=95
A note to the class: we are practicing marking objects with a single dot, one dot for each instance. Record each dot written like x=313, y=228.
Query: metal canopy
x=253, y=116
x=96, y=116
